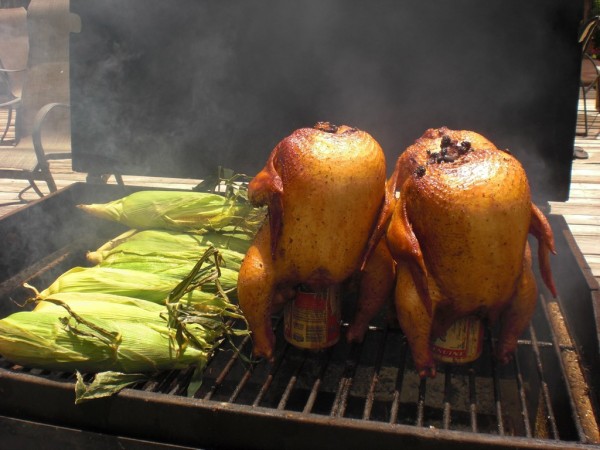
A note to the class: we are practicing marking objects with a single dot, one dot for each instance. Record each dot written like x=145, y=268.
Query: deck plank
x=582, y=210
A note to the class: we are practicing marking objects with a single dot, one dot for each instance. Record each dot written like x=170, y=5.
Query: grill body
x=350, y=395
x=220, y=83
x=213, y=84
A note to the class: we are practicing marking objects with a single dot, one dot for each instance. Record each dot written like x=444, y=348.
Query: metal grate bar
x=244, y=380
x=64, y=376
x=447, y=395
x=241, y=384
x=88, y=377
x=248, y=373
x=39, y=372
x=179, y=386
x=341, y=397
x=581, y=432
x=540, y=344
x=310, y=402
x=421, y=402
x=496, y=382
x=473, y=399
x=162, y=382
x=522, y=394
x=375, y=379
x=269, y=380
x=399, y=381
x=550, y=417
x=226, y=369
x=291, y=383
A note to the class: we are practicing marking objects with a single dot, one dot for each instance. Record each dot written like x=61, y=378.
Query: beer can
x=312, y=319
x=462, y=343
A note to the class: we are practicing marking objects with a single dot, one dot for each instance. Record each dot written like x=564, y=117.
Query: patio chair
x=590, y=73
x=43, y=122
x=14, y=49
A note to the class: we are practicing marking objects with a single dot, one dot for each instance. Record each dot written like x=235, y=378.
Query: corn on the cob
x=94, y=332
x=209, y=303
x=125, y=282
x=172, y=267
x=169, y=263
x=142, y=342
x=89, y=299
x=165, y=266
x=132, y=312
x=179, y=210
x=109, y=245
x=172, y=247
x=97, y=306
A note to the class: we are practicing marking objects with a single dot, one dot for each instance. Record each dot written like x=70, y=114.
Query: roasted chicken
x=458, y=233
x=324, y=187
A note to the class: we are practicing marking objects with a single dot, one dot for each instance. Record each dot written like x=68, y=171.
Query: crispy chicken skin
x=324, y=187
x=458, y=233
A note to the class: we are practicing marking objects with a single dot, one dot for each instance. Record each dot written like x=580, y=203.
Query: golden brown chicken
x=459, y=236
x=324, y=187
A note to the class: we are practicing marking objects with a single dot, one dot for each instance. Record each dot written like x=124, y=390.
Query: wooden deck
x=582, y=211
x=64, y=176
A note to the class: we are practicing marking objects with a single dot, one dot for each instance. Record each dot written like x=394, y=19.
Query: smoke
x=176, y=89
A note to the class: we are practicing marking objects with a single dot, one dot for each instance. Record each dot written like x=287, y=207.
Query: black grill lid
x=178, y=88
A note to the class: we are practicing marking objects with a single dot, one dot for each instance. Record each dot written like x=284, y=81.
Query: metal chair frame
x=585, y=39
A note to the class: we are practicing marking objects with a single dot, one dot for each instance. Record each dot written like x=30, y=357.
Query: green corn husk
x=171, y=247
x=168, y=263
x=124, y=282
x=89, y=299
x=171, y=267
x=188, y=245
x=97, y=333
x=124, y=340
x=98, y=306
x=109, y=245
x=175, y=210
x=52, y=339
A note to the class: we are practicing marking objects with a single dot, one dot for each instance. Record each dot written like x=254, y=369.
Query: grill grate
x=375, y=381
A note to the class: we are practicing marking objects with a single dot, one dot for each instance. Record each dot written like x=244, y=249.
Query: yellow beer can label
x=462, y=343
x=312, y=319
